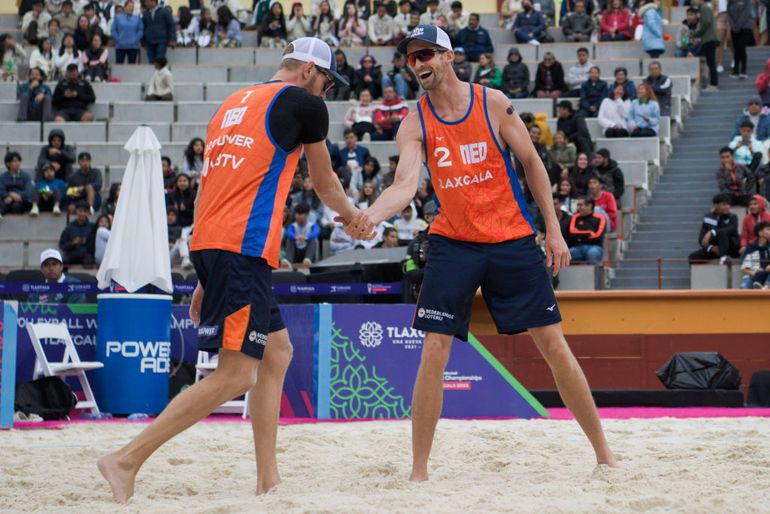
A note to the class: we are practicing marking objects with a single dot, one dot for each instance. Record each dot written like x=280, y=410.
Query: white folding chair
x=207, y=365
x=70, y=365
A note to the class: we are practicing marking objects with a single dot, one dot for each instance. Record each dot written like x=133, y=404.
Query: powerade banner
x=81, y=322
x=7, y=362
x=367, y=362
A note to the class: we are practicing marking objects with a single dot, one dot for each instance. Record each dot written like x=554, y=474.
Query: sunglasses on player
x=424, y=55
x=328, y=76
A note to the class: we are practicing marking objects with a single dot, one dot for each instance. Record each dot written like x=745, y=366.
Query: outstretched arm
x=514, y=133
x=400, y=193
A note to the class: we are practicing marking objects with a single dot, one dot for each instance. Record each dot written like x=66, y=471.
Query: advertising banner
x=368, y=357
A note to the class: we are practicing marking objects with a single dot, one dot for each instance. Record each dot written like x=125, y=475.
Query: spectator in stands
x=603, y=199
x=609, y=173
x=298, y=25
x=324, y=24
x=95, y=64
x=408, y=225
x=84, y=184
x=347, y=71
x=360, y=116
x=178, y=247
x=52, y=266
x=159, y=30
x=161, y=86
x=574, y=126
x=182, y=198
x=563, y=153
x=75, y=236
x=431, y=13
x=13, y=57
x=350, y=29
x=733, y=179
x=207, y=29
x=48, y=193
x=592, y=92
x=370, y=172
x=706, y=32
x=367, y=196
x=718, y=238
x=109, y=205
x=53, y=7
x=542, y=152
x=301, y=239
x=515, y=79
x=72, y=97
x=580, y=174
x=652, y=32
x=339, y=240
x=549, y=79
x=389, y=238
x=35, y=98
x=487, y=73
x=368, y=76
x=388, y=115
x=57, y=154
x=509, y=9
x=67, y=54
x=353, y=156
x=381, y=28
x=541, y=120
x=42, y=58
x=756, y=214
x=754, y=114
x=644, y=116
x=100, y=236
x=578, y=26
x=192, y=164
x=616, y=22
x=457, y=19
x=187, y=27
x=578, y=73
x=84, y=33
x=463, y=69
x=401, y=20
x=661, y=85
x=425, y=194
x=401, y=78
x=613, y=113
x=389, y=176
x=68, y=20
x=756, y=261
x=763, y=85
x=475, y=39
x=568, y=195
x=747, y=149
x=763, y=176
x=55, y=35
x=563, y=216
x=34, y=24
x=128, y=31
x=621, y=78
x=308, y=196
x=169, y=175
x=741, y=18
x=586, y=233
x=228, y=30
x=15, y=187
x=529, y=25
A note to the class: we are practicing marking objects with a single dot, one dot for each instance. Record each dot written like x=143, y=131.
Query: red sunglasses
x=424, y=55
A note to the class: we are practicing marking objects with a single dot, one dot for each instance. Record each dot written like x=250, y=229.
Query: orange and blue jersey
x=246, y=178
x=478, y=195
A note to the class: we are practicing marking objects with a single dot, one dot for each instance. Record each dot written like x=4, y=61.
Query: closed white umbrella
x=137, y=252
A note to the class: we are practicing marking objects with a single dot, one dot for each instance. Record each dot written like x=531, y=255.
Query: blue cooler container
x=133, y=340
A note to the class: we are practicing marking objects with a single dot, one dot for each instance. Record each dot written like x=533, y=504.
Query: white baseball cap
x=51, y=253
x=307, y=49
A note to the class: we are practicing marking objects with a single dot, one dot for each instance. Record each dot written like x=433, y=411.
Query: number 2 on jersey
x=442, y=153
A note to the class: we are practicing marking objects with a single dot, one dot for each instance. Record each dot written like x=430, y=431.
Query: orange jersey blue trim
x=478, y=193
x=246, y=177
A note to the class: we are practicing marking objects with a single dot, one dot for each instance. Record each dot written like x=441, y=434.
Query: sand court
x=669, y=465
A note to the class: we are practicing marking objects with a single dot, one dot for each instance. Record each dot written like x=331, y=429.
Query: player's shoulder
x=410, y=127
x=496, y=99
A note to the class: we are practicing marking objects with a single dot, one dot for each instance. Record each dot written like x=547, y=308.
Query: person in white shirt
x=433, y=12
x=408, y=225
x=457, y=18
x=40, y=18
x=161, y=87
x=748, y=149
x=298, y=25
x=402, y=20
x=42, y=57
x=381, y=27
x=578, y=73
x=613, y=113
x=67, y=55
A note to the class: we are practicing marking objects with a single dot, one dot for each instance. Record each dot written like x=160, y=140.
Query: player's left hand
x=359, y=227
x=556, y=252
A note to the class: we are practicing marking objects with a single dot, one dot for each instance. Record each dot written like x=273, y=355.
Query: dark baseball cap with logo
x=427, y=33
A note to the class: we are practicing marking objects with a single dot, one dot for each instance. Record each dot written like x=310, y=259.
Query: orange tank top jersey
x=246, y=178
x=478, y=194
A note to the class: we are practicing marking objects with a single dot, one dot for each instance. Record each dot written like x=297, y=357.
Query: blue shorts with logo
x=239, y=309
x=513, y=279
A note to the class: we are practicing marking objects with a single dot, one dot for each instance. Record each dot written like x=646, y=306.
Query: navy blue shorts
x=239, y=309
x=513, y=279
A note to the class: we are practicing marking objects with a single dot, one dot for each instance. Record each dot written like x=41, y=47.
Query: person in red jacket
x=757, y=213
x=388, y=115
x=616, y=23
x=603, y=199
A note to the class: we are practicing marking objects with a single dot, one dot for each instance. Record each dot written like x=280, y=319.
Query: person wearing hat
x=52, y=266
x=463, y=69
x=754, y=114
x=253, y=146
x=483, y=235
x=515, y=75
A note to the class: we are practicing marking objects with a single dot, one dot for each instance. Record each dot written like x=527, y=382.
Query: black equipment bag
x=48, y=397
x=759, y=389
x=699, y=370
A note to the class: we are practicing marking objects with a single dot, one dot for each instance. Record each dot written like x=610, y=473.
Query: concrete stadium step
x=45, y=227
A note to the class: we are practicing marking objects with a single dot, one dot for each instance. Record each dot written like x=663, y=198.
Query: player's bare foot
x=421, y=476
x=266, y=485
x=607, y=459
x=119, y=475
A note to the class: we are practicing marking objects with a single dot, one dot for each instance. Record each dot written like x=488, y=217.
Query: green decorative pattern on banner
x=84, y=308
x=357, y=392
